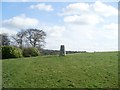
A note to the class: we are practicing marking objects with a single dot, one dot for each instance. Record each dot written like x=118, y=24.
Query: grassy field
x=85, y=70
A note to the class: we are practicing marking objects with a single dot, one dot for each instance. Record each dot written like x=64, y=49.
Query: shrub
x=11, y=52
x=30, y=51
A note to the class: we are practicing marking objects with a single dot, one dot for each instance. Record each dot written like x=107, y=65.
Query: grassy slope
x=77, y=70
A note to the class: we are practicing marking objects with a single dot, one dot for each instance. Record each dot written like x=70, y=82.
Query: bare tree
x=35, y=37
x=19, y=38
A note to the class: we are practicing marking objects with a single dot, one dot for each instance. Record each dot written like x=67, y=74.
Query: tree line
x=25, y=43
x=24, y=38
x=56, y=52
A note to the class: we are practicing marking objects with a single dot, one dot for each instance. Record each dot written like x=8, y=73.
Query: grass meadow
x=83, y=70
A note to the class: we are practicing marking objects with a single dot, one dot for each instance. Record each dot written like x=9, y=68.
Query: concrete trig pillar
x=62, y=50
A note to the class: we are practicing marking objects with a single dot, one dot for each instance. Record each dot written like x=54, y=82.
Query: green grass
x=85, y=70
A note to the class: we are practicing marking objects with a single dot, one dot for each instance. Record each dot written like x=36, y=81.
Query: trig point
x=62, y=50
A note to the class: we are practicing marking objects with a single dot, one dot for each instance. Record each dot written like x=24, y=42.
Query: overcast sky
x=86, y=26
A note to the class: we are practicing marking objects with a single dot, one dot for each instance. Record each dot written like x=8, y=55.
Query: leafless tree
x=30, y=37
x=19, y=38
x=35, y=37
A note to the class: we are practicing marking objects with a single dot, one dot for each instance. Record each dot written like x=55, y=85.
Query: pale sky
x=82, y=26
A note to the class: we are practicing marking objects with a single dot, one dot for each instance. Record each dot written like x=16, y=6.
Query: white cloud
x=83, y=38
x=104, y=9
x=56, y=31
x=8, y=31
x=111, y=26
x=12, y=25
x=93, y=38
x=112, y=29
x=83, y=19
x=76, y=8
x=86, y=29
x=82, y=8
x=55, y=36
x=20, y=22
x=42, y=6
x=89, y=14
